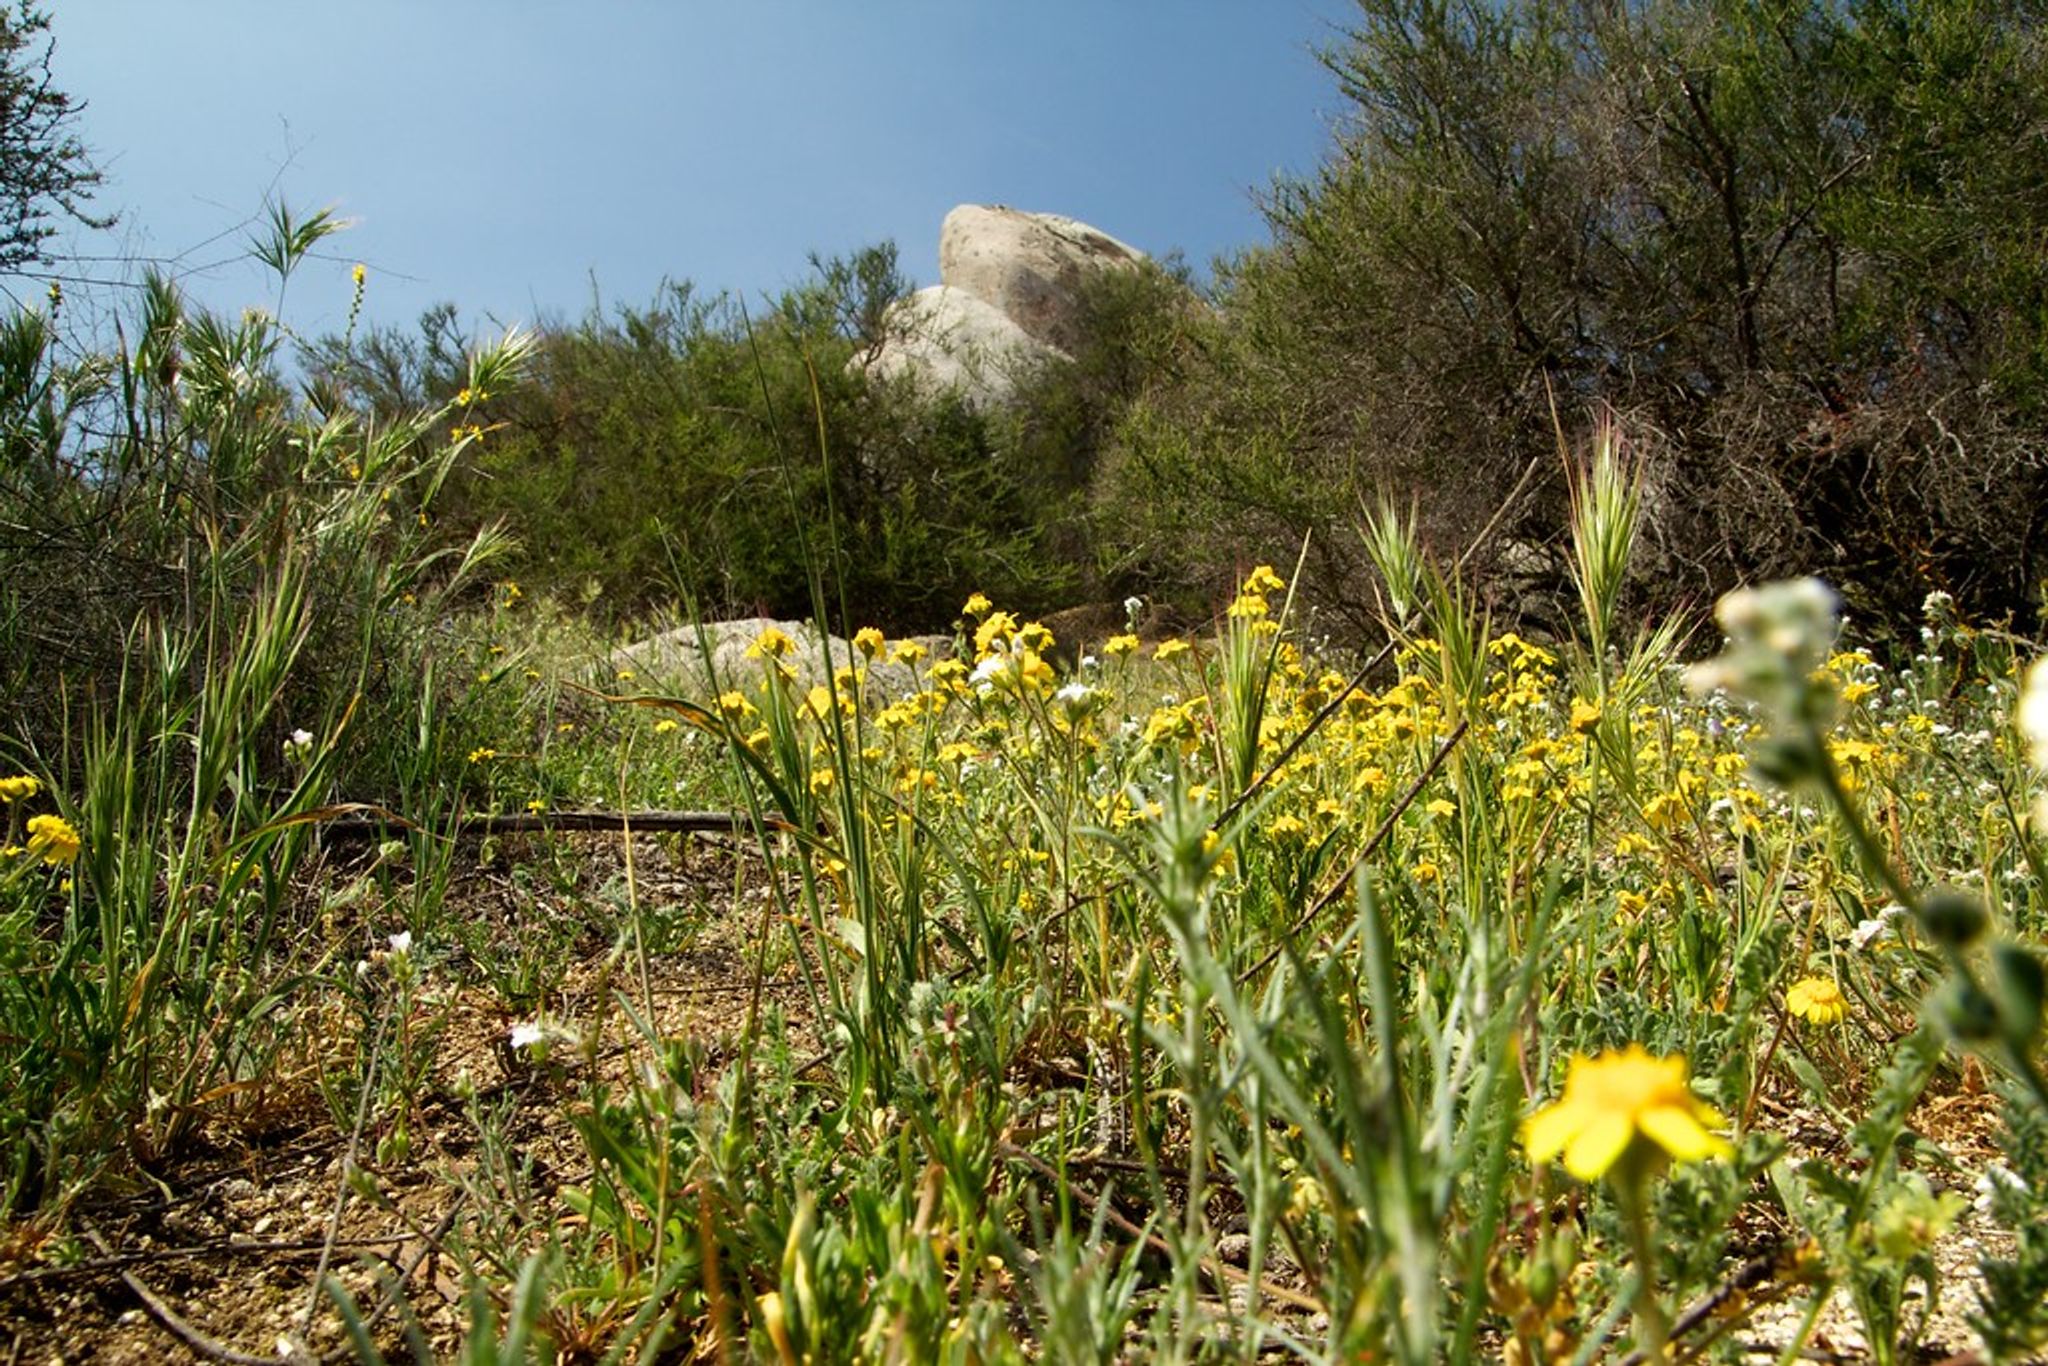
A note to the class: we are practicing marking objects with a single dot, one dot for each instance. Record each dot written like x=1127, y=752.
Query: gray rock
x=675, y=661
x=1030, y=266
x=946, y=339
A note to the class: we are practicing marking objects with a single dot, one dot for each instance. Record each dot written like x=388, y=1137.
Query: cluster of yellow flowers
x=50, y=838
x=1333, y=759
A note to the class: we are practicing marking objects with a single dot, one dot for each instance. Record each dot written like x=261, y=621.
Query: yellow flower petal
x=1547, y=1131
x=1597, y=1144
x=1681, y=1133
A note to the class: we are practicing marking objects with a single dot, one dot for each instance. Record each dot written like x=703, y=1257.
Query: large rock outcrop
x=1010, y=299
x=945, y=338
x=1032, y=266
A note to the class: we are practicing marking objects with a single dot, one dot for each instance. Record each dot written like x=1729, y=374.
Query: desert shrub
x=1793, y=244
x=674, y=451
x=163, y=489
x=221, y=611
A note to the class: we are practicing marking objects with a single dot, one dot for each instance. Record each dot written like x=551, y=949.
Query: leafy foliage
x=1793, y=244
x=44, y=170
x=673, y=451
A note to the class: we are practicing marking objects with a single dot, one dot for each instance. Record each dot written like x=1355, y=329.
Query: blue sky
x=506, y=155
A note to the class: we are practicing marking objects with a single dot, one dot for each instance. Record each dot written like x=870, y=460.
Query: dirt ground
x=215, y=1257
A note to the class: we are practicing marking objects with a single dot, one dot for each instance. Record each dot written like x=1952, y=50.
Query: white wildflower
x=528, y=1033
x=2031, y=715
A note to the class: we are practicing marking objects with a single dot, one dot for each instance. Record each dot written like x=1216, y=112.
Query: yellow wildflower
x=995, y=630
x=1620, y=1101
x=734, y=706
x=1263, y=580
x=977, y=603
x=1171, y=723
x=667, y=724
x=772, y=643
x=1664, y=811
x=358, y=274
x=479, y=756
x=1286, y=828
x=1116, y=647
x=1585, y=717
x=1249, y=606
x=869, y=642
x=52, y=839
x=1817, y=1000
x=907, y=652
x=19, y=788
x=1034, y=673
x=1170, y=649
x=1527, y=655
x=1425, y=871
x=820, y=701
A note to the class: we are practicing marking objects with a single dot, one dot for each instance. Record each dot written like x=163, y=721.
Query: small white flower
x=1133, y=606
x=984, y=676
x=527, y=1033
x=1867, y=931
x=2031, y=715
x=1073, y=695
x=402, y=942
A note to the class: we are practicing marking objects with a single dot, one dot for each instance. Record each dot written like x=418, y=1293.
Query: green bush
x=221, y=611
x=1795, y=246
x=696, y=449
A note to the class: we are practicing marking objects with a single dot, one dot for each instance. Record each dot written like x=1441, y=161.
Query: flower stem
x=1630, y=1191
